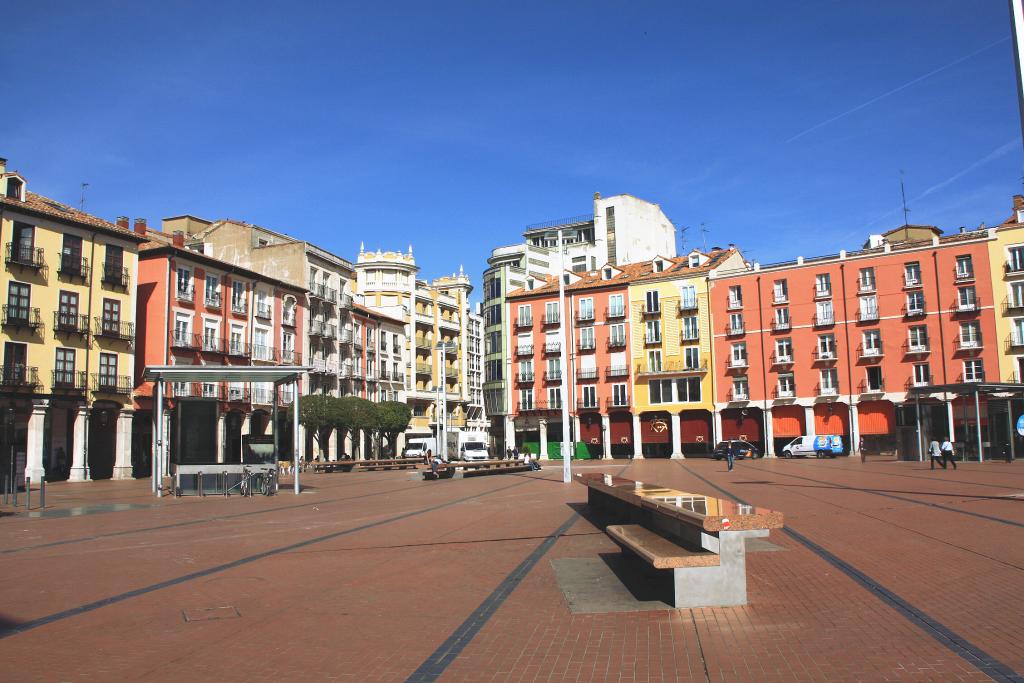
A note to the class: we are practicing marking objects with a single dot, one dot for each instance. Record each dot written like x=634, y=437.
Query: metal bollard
x=199, y=485
x=3, y=478
x=28, y=493
x=224, y=482
x=42, y=494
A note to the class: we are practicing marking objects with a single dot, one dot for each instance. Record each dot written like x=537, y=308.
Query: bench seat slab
x=658, y=551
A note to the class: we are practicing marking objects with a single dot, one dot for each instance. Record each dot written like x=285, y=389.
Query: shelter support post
x=977, y=424
x=917, y=413
x=295, y=433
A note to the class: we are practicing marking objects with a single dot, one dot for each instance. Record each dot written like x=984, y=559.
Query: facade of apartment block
x=198, y=310
x=831, y=345
x=619, y=230
x=1006, y=255
x=68, y=334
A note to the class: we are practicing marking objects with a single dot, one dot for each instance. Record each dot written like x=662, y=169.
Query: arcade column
x=677, y=438
x=222, y=434
x=638, y=440
x=510, y=432
x=854, y=430
x=543, y=455
x=123, y=445
x=769, y=434
x=606, y=437
x=79, y=468
x=34, y=443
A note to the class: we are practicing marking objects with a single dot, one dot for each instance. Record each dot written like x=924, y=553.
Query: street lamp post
x=442, y=401
x=564, y=384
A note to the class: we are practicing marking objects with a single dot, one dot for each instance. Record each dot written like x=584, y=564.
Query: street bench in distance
x=701, y=539
x=477, y=468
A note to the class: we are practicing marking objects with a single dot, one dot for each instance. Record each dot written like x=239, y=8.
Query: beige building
x=444, y=346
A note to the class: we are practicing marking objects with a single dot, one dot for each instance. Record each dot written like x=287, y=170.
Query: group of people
x=941, y=453
x=512, y=453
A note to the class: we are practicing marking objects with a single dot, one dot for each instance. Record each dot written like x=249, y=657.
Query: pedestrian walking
x=935, y=454
x=947, y=453
x=729, y=456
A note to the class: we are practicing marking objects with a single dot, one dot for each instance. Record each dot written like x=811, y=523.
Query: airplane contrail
x=896, y=89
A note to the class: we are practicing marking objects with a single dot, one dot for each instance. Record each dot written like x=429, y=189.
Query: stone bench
x=700, y=539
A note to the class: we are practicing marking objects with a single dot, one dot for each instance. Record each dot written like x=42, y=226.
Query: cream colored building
x=443, y=347
x=68, y=336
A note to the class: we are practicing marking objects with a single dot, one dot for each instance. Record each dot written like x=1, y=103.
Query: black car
x=740, y=450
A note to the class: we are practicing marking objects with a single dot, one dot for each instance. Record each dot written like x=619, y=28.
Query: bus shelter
x=278, y=375
x=994, y=394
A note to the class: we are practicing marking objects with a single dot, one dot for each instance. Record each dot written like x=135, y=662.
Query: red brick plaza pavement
x=885, y=571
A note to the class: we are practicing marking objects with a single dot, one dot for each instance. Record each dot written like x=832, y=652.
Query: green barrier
x=581, y=451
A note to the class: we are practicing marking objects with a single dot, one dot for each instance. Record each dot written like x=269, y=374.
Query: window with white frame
x=970, y=334
x=688, y=390
x=829, y=382
x=735, y=296
x=660, y=391
x=525, y=315
x=873, y=378
x=237, y=340
x=780, y=290
x=922, y=375
x=210, y=335
x=690, y=331
x=826, y=346
x=918, y=338
x=620, y=397
x=967, y=298
x=787, y=385
x=182, y=328
x=869, y=307
x=238, y=296
x=688, y=297
x=912, y=274
x=964, y=266
x=740, y=388
x=652, y=302
x=782, y=318
x=212, y=291
x=1017, y=332
x=586, y=337
x=554, y=369
x=784, y=350
x=872, y=342
x=1015, y=259
x=738, y=356
x=526, y=399
x=915, y=302
x=974, y=370
x=654, y=360
x=866, y=279
x=653, y=333
x=588, y=392
x=617, y=334
x=823, y=313
x=551, y=312
x=554, y=398
x=691, y=357
x=587, y=309
x=736, y=322
x=1016, y=299
x=184, y=283
x=823, y=284
x=616, y=306
x=526, y=370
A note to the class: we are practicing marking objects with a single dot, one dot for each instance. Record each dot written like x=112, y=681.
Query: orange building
x=194, y=309
x=831, y=344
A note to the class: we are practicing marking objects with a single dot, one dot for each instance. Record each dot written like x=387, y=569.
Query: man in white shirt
x=947, y=453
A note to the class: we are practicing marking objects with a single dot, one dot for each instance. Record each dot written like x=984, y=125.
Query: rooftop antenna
x=682, y=238
x=704, y=237
x=82, y=202
x=903, y=193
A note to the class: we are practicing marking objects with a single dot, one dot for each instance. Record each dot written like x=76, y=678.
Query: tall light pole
x=442, y=401
x=564, y=385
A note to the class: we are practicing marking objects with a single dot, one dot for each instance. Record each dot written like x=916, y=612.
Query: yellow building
x=671, y=352
x=68, y=336
x=1006, y=255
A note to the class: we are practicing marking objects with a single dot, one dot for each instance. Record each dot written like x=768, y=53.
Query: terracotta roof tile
x=38, y=204
x=376, y=314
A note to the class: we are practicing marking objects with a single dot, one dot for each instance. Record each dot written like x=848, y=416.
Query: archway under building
x=656, y=434
x=745, y=424
x=696, y=427
x=832, y=418
x=102, y=439
x=876, y=424
x=590, y=436
x=233, y=436
x=787, y=424
x=620, y=434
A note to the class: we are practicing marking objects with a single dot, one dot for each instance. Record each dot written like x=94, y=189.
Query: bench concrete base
x=721, y=586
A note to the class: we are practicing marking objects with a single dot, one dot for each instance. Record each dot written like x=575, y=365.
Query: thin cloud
x=895, y=90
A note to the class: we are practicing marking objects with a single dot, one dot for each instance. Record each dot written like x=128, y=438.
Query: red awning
x=830, y=418
x=621, y=428
x=787, y=421
x=876, y=417
x=656, y=428
x=590, y=428
x=736, y=425
x=695, y=426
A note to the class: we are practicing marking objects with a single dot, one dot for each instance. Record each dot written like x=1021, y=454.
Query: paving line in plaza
x=956, y=482
x=6, y=632
x=192, y=522
x=990, y=518
x=941, y=633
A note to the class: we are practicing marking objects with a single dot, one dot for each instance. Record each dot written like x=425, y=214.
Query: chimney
x=122, y=222
x=140, y=226
x=3, y=165
x=1018, y=199
x=178, y=239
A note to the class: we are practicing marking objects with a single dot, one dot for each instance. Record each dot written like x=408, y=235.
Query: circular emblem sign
x=659, y=426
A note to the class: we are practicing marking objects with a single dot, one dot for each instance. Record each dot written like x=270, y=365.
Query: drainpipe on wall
x=764, y=372
x=854, y=448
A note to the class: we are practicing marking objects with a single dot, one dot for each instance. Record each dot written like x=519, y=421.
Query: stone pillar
x=166, y=464
x=221, y=436
x=808, y=420
x=575, y=434
x=854, y=430
x=716, y=419
x=510, y=432
x=606, y=437
x=677, y=437
x=769, y=434
x=543, y=440
x=79, y=469
x=638, y=440
x=949, y=419
x=123, y=445
x=332, y=445
x=34, y=443
x=247, y=423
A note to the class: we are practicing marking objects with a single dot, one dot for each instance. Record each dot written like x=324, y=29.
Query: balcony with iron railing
x=239, y=349
x=869, y=352
x=865, y=287
x=974, y=377
x=424, y=369
x=616, y=402
x=1014, y=267
x=652, y=338
x=552, y=318
x=867, y=315
x=913, y=311
x=911, y=383
x=68, y=380
x=911, y=281
x=584, y=374
x=540, y=406
x=552, y=347
x=1014, y=343
x=782, y=298
x=115, y=275
x=738, y=395
x=781, y=326
x=293, y=357
x=345, y=300
x=239, y=306
x=613, y=371
x=586, y=345
x=70, y=323
x=114, y=329
x=24, y=255
x=523, y=322
x=587, y=404
x=585, y=315
x=213, y=300
x=263, y=396
x=185, y=293
x=963, y=274
x=822, y=292
x=524, y=350
x=288, y=318
x=184, y=341
x=969, y=345
x=615, y=312
x=616, y=342
x=671, y=367
x=524, y=377
x=782, y=359
x=552, y=375
x=824, y=319
x=73, y=267
x=266, y=354
x=866, y=387
x=649, y=309
x=965, y=306
x=825, y=355
x=820, y=390
x=111, y=384
x=321, y=291
x=263, y=310
x=784, y=393
x=451, y=372
x=687, y=304
x=915, y=347
x=734, y=305
x=22, y=317
x=738, y=363
x=735, y=329
x=17, y=375
x=234, y=394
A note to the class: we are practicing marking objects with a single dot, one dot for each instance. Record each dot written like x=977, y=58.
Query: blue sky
x=781, y=126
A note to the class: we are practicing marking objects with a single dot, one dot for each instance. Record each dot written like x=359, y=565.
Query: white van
x=472, y=446
x=818, y=446
x=418, y=447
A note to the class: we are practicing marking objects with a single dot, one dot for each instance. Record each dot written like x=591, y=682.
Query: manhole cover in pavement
x=210, y=613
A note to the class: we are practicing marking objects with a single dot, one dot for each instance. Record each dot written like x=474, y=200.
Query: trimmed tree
x=316, y=414
x=392, y=419
x=344, y=419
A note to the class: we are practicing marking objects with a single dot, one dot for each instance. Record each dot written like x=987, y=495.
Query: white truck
x=418, y=447
x=469, y=446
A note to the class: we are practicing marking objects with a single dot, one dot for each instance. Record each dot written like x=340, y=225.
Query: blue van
x=818, y=445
